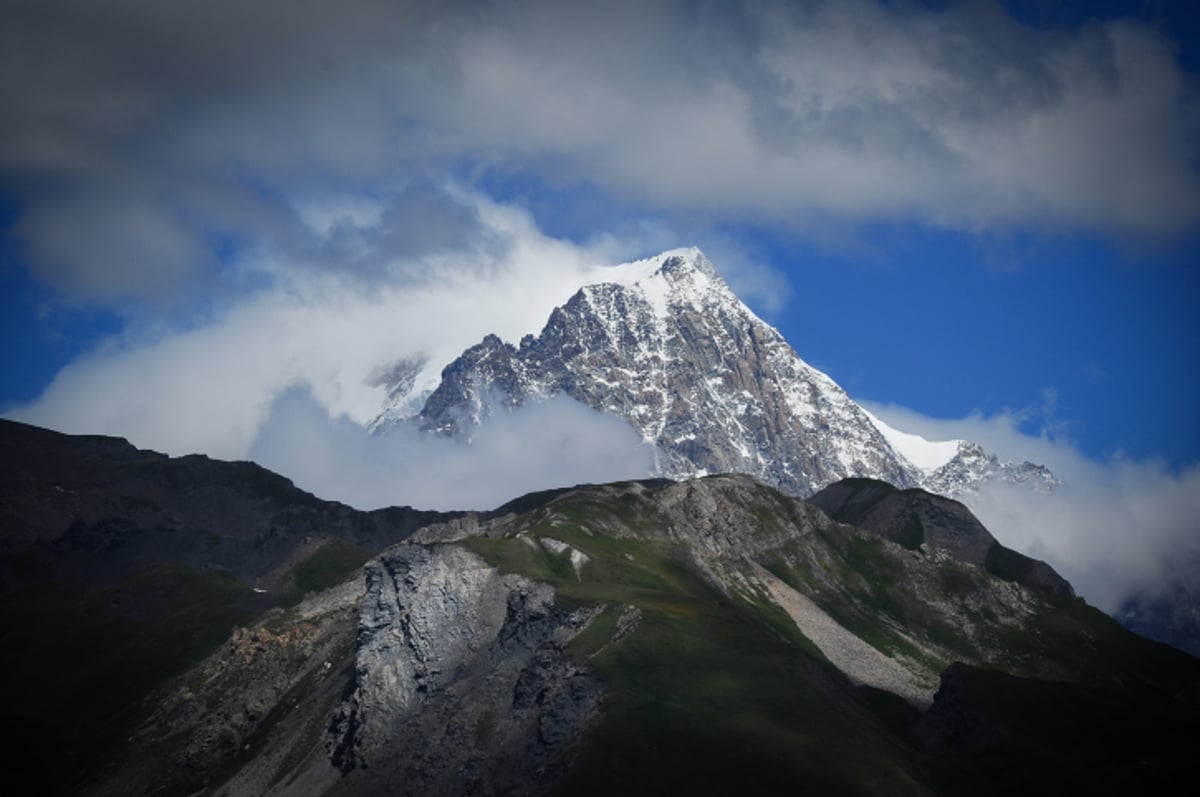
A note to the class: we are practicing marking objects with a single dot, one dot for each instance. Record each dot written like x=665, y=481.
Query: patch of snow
x=928, y=455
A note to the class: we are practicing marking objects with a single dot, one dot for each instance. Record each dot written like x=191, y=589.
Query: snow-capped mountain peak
x=676, y=278
x=664, y=343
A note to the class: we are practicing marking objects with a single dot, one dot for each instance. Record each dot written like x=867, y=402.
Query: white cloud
x=1113, y=529
x=557, y=443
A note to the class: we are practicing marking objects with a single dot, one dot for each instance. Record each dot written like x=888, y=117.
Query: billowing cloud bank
x=557, y=443
x=210, y=387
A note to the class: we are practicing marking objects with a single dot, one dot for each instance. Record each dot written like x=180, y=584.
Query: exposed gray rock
x=669, y=347
x=861, y=662
x=731, y=527
x=462, y=680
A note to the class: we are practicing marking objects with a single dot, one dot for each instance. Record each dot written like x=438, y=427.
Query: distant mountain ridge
x=666, y=344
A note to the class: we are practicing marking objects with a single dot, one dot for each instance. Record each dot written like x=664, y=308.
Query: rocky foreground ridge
x=707, y=635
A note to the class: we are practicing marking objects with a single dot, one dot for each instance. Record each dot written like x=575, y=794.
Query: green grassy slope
x=717, y=692
x=711, y=693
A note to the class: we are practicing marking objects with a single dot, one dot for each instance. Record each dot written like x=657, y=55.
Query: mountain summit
x=667, y=345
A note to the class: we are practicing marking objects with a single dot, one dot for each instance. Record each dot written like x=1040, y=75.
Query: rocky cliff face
x=462, y=681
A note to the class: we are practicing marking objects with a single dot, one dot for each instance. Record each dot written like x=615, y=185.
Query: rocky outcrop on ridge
x=708, y=634
x=462, y=682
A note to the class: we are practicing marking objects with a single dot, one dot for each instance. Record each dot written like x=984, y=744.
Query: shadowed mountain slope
x=119, y=567
x=916, y=520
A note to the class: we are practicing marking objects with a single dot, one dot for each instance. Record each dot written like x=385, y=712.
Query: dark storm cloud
x=153, y=145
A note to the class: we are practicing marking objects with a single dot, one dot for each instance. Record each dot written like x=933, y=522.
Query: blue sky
x=959, y=208
x=1085, y=342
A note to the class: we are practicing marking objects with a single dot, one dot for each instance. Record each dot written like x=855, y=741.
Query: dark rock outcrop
x=916, y=519
x=119, y=567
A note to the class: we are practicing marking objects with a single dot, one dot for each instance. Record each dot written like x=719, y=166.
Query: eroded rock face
x=461, y=671
x=425, y=612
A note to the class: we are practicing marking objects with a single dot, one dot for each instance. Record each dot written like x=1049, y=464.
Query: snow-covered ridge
x=928, y=455
x=667, y=345
x=676, y=277
x=634, y=271
x=637, y=271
